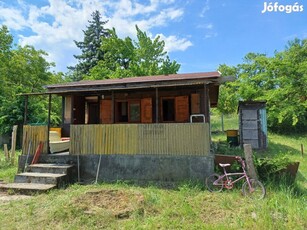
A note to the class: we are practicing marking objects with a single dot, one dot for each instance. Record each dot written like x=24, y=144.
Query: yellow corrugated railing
x=168, y=139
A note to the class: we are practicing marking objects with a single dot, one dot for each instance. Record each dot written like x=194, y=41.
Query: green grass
x=7, y=169
x=189, y=206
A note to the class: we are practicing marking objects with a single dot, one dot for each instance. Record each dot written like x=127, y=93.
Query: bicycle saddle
x=224, y=165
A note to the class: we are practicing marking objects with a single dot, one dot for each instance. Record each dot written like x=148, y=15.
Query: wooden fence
x=168, y=139
x=32, y=135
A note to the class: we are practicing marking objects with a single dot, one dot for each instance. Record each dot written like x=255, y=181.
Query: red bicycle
x=251, y=187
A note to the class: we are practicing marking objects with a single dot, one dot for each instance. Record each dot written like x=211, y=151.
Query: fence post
x=13, y=146
x=249, y=161
x=6, y=153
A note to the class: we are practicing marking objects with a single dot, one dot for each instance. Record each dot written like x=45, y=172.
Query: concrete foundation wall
x=137, y=168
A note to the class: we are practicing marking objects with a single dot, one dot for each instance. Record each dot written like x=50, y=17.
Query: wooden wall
x=34, y=135
x=168, y=139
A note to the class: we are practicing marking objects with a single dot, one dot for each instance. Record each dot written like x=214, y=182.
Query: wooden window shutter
x=106, y=111
x=182, y=108
x=195, y=103
x=146, y=110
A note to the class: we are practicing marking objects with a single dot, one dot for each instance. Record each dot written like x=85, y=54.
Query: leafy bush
x=271, y=169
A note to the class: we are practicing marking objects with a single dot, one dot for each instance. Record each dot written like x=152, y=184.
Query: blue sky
x=199, y=34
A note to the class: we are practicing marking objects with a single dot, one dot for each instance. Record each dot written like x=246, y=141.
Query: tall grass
x=7, y=169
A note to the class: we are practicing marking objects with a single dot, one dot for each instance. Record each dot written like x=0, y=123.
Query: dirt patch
x=120, y=204
x=5, y=197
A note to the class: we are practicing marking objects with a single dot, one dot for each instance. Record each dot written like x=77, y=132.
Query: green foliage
x=270, y=168
x=90, y=47
x=279, y=80
x=228, y=96
x=23, y=70
x=127, y=58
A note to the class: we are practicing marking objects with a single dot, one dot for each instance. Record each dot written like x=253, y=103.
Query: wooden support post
x=13, y=146
x=206, y=103
x=26, y=111
x=6, y=153
x=157, y=105
x=222, y=120
x=49, y=116
x=113, y=108
x=249, y=161
x=302, y=149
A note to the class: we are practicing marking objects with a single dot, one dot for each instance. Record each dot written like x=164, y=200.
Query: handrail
x=197, y=115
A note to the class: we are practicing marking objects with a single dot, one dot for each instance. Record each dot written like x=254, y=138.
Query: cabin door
x=93, y=113
x=78, y=110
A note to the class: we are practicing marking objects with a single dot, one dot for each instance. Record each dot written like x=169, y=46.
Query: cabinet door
x=182, y=108
x=146, y=110
x=106, y=111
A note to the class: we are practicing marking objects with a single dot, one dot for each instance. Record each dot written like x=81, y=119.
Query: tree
x=90, y=47
x=228, y=94
x=280, y=80
x=127, y=58
x=25, y=71
x=6, y=40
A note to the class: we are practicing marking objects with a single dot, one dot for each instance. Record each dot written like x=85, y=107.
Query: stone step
x=50, y=168
x=26, y=188
x=42, y=178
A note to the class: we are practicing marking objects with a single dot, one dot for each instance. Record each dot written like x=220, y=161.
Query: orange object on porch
x=38, y=152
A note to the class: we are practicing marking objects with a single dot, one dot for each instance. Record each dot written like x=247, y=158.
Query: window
x=134, y=111
x=128, y=111
x=67, y=110
x=175, y=109
x=122, y=111
x=168, y=109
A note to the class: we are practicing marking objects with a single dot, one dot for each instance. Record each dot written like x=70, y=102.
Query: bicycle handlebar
x=241, y=160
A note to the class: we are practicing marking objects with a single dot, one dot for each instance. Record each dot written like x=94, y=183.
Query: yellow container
x=232, y=137
x=232, y=133
x=59, y=130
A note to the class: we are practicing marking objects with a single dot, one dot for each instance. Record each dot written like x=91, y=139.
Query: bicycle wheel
x=214, y=187
x=257, y=190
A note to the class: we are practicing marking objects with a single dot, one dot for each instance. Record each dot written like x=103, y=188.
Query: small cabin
x=160, y=123
x=253, y=124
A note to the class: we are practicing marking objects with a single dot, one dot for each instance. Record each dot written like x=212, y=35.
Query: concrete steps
x=40, y=178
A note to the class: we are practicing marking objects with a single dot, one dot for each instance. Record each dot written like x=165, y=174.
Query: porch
x=187, y=139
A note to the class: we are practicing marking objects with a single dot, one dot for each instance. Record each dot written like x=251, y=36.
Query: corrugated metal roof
x=139, y=80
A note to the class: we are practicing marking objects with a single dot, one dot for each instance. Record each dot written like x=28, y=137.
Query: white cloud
x=207, y=26
x=55, y=26
x=210, y=35
x=172, y=43
x=12, y=18
x=205, y=8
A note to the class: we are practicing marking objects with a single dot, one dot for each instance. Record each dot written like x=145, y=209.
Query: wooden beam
x=26, y=110
x=63, y=110
x=49, y=116
x=113, y=108
x=157, y=105
x=6, y=153
x=206, y=103
x=13, y=146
